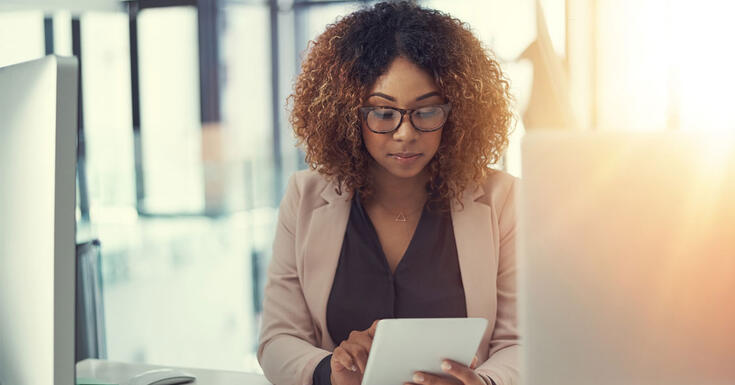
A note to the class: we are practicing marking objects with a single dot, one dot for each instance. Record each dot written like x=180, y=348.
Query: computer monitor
x=38, y=138
x=627, y=258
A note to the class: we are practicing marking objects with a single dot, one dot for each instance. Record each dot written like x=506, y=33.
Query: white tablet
x=403, y=346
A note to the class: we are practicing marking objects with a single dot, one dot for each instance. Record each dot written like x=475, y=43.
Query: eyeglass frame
x=365, y=110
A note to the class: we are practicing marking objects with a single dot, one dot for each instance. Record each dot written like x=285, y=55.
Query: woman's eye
x=384, y=114
x=428, y=112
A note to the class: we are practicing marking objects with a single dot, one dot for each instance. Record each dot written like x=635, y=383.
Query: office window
x=703, y=65
x=177, y=282
x=250, y=160
x=319, y=16
x=107, y=114
x=180, y=294
x=169, y=99
x=665, y=65
x=62, y=33
x=246, y=102
x=632, y=65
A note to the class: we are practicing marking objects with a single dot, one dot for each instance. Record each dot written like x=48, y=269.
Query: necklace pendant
x=401, y=218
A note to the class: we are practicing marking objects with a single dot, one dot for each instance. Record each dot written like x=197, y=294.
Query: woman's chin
x=401, y=170
x=404, y=172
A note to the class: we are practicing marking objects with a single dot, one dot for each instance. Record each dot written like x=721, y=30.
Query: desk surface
x=120, y=373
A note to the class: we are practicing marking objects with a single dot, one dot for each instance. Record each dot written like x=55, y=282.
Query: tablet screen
x=403, y=346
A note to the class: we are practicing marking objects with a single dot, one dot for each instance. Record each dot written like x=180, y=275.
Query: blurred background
x=185, y=146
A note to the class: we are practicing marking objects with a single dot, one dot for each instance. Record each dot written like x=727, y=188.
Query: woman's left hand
x=462, y=375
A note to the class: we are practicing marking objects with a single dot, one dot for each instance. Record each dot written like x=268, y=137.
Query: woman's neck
x=398, y=193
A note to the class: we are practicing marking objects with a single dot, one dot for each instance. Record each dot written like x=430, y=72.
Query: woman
x=400, y=111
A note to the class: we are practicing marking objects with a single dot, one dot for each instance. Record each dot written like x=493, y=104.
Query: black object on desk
x=90, y=339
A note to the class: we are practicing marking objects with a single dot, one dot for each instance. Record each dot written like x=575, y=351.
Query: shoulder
x=499, y=189
x=308, y=180
x=307, y=186
x=307, y=191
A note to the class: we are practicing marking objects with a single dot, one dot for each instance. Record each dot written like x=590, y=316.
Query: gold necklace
x=401, y=216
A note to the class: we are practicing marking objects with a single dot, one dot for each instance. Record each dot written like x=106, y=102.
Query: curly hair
x=344, y=62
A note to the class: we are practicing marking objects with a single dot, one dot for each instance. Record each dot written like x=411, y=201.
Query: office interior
x=185, y=148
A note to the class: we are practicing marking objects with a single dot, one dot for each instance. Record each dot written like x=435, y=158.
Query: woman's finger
x=342, y=358
x=358, y=353
x=461, y=372
x=473, y=364
x=422, y=378
x=361, y=338
x=371, y=329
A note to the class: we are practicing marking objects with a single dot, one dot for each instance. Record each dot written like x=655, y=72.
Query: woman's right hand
x=349, y=359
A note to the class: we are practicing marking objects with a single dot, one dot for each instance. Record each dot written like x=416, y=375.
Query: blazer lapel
x=474, y=238
x=322, y=246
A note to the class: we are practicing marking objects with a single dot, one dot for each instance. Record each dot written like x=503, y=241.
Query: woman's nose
x=406, y=131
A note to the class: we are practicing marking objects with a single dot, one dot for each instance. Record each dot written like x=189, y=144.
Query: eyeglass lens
x=424, y=118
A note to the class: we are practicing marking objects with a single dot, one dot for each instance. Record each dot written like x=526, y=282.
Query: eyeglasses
x=384, y=120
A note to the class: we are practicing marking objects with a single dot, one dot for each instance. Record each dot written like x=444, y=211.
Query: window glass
x=172, y=262
x=247, y=112
x=177, y=291
x=62, y=33
x=703, y=62
x=107, y=113
x=169, y=100
x=319, y=16
x=246, y=100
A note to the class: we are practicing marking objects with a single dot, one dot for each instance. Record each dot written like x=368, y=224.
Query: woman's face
x=405, y=152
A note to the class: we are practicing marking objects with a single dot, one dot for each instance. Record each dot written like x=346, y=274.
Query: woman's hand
x=350, y=357
x=461, y=374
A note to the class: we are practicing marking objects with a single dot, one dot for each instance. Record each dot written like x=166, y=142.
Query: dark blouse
x=426, y=284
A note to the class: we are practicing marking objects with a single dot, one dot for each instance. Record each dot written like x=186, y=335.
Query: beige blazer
x=311, y=225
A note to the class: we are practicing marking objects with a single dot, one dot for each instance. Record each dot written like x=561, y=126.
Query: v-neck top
x=427, y=282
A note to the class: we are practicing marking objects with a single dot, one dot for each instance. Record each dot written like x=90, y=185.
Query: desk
x=120, y=373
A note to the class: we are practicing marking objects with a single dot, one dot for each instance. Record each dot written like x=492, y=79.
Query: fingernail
x=353, y=368
x=446, y=366
x=418, y=377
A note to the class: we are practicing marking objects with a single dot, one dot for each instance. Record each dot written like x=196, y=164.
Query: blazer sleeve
x=287, y=350
x=502, y=364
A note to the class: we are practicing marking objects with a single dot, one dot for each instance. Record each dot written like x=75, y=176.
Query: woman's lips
x=405, y=157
